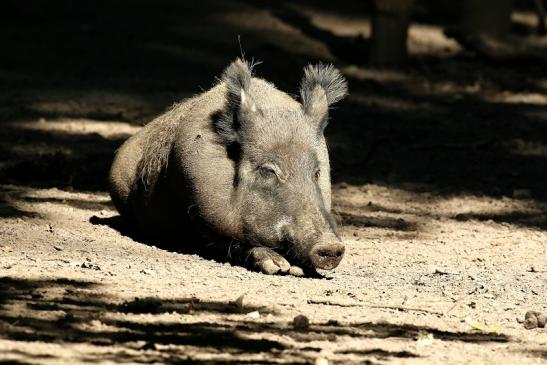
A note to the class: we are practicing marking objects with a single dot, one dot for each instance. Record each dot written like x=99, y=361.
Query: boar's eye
x=317, y=174
x=267, y=171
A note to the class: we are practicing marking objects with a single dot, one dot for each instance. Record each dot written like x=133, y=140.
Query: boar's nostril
x=323, y=253
x=326, y=256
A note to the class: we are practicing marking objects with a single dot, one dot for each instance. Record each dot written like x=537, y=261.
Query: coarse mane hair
x=159, y=137
x=160, y=134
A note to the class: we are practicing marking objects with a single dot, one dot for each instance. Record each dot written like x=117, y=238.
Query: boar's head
x=282, y=186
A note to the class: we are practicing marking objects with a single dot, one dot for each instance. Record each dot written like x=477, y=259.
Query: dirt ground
x=438, y=179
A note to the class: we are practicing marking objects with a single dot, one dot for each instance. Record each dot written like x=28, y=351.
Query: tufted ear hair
x=240, y=104
x=321, y=86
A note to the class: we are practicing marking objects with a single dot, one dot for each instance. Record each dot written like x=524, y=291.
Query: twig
x=441, y=272
x=333, y=303
x=395, y=307
x=407, y=309
x=457, y=301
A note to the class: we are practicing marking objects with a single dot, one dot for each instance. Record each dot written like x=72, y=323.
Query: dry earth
x=418, y=285
x=439, y=181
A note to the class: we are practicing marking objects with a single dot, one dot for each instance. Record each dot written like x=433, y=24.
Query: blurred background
x=446, y=96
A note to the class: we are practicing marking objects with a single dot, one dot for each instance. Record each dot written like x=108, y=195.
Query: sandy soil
x=439, y=181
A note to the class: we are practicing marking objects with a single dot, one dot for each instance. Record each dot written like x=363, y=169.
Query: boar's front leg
x=267, y=261
x=264, y=259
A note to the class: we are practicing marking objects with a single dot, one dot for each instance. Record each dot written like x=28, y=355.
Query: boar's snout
x=327, y=256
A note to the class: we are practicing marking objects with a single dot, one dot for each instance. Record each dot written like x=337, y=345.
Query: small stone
x=424, y=338
x=542, y=320
x=239, y=301
x=301, y=322
x=533, y=319
x=530, y=323
x=58, y=248
x=89, y=265
x=254, y=315
x=530, y=320
x=321, y=361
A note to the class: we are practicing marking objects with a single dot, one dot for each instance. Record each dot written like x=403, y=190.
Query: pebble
x=533, y=319
x=301, y=322
x=89, y=265
x=254, y=315
x=321, y=361
x=239, y=301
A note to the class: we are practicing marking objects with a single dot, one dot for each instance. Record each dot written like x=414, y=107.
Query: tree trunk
x=389, y=31
x=491, y=17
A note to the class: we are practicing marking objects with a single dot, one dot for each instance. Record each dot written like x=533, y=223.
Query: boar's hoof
x=268, y=261
x=326, y=256
x=296, y=271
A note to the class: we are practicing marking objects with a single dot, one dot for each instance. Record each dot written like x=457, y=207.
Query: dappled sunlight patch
x=275, y=31
x=425, y=39
x=42, y=200
x=379, y=75
x=339, y=24
x=96, y=326
x=428, y=150
x=522, y=147
x=407, y=208
x=485, y=90
x=106, y=105
x=448, y=87
x=510, y=97
x=106, y=129
x=526, y=18
x=90, y=324
x=61, y=152
x=40, y=148
x=468, y=203
x=395, y=104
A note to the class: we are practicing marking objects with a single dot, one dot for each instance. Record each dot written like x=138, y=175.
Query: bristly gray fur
x=326, y=76
x=237, y=77
x=159, y=135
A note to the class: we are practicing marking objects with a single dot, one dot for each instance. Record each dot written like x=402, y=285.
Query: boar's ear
x=240, y=104
x=321, y=86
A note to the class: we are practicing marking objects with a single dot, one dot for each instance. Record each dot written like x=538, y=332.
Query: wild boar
x=243, y=161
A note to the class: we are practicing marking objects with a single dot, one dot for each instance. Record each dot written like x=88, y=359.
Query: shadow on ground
x=110, y=61
x=177, y=330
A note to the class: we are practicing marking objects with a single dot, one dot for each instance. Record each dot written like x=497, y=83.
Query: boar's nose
x=327, y=256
